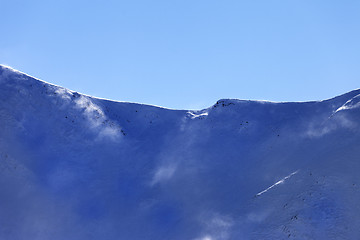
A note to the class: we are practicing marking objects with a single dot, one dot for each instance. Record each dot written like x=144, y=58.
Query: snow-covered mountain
x=77, y=167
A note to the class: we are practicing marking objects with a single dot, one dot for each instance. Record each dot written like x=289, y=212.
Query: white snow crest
x=194, y=115
x=63, y=93
x=9, y=70
x=350, y=104
x=277, y=183
x=9, y=73
x=97, y=120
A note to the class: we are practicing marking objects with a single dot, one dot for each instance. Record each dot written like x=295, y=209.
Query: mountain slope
x=77, y=167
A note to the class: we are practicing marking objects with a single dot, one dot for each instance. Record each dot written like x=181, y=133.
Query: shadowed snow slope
x=77, y=167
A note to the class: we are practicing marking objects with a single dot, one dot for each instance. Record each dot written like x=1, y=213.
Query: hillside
x=77, y=167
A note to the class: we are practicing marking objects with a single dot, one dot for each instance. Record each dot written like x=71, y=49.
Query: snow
x=350, y=104
x=77, y=167
x=277, y=183
x=194, y=115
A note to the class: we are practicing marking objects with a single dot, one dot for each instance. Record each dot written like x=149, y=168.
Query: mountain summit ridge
x=79, y=167
x=9, y=70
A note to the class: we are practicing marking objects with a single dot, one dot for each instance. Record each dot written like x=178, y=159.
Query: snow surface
x=78, y=167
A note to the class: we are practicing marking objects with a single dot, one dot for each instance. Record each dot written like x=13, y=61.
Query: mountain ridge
x=77, y=167
x=229, y=100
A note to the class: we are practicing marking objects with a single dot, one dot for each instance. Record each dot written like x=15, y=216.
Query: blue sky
x=186, y=54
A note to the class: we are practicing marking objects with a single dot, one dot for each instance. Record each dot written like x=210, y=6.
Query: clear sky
x=186, y=54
